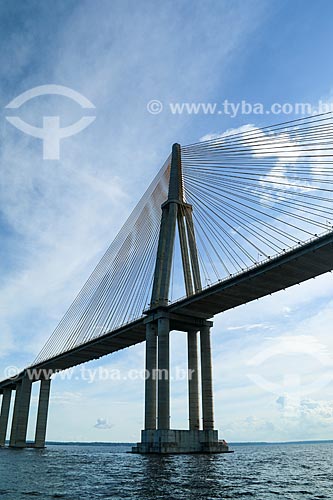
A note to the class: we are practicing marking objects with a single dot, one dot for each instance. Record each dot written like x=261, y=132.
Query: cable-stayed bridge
x=225, y=221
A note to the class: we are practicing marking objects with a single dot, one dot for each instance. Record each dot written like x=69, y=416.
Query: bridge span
x=112, y=313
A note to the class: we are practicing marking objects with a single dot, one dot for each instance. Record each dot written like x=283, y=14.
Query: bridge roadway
x=285, y=270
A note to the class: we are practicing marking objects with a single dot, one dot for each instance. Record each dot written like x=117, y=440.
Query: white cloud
x=230, y=132
x=7, y=340
x=247, y=328
x=102, y=424
x=307, y=419
x=66, y=397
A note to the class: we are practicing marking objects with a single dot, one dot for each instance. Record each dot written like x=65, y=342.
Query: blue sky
x=58, y=217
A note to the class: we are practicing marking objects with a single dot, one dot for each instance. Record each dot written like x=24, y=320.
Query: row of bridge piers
x=20, y=414
x=156, y=437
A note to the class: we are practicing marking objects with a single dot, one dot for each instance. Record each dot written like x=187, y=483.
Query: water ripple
x=290, y=472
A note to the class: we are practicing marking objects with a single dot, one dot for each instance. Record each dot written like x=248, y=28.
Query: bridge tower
x=157, y=437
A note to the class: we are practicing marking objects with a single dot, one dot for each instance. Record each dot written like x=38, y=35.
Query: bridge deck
x=295, y=266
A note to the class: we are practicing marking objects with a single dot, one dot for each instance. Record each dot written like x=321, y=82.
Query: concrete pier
x=21, y=414
x=206, y=379
x=180, y=442
x=15, y=414
x=150, y=384
x=163, y=408
x=164, y=440
x=43, y=407
x=193, y=385
x=4, y=415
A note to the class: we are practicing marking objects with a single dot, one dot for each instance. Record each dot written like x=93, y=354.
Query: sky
x=57, y=217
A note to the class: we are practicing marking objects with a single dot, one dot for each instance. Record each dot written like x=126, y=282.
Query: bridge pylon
x=157, y=437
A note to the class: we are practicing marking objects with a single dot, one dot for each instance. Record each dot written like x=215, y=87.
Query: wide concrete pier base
x=180, y=441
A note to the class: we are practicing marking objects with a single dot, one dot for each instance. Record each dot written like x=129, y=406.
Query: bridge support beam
x=206, y=379
x=43, y=408
x=150, y=387
x=4, y=415
x=163, y=408
x=193, y=386
x=18, y=433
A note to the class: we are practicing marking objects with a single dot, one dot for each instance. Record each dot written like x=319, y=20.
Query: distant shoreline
x=238, y=443
x=245, y=443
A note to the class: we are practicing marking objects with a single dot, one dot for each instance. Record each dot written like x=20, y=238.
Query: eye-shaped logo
x=292, y=384
x=51, y=133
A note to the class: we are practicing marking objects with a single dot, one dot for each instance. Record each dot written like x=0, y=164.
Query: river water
x=89, y=472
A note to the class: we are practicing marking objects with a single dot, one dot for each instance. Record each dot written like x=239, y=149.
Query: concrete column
x=193, y=386
x=185, y=253
x=193, y=248
x=21, y=414
x=43, y=408
x=4, y=415
x=206, y=379
x=169, y=235
x=150, y=386
x=165, y=249
x=15, y=415
x=163, y=411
